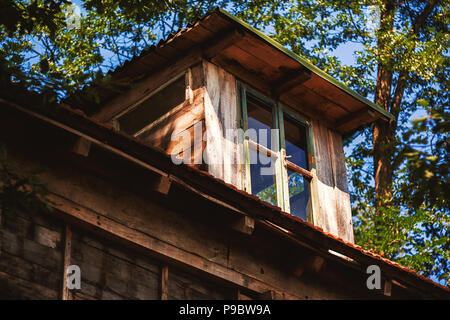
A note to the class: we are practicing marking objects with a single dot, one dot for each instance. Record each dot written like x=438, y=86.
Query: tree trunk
x=383, y=131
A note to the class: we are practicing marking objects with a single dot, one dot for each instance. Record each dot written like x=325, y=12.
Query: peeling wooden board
x=222, y=124
x=324, y=179
x=341, y=192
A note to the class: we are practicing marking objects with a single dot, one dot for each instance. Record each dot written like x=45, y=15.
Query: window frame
x=282, y=164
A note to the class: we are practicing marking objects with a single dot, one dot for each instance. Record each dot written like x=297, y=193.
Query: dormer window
x=276, y=153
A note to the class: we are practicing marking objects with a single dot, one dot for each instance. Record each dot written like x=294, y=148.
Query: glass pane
x=259, y=119
x=298, y=195
x=295, y=138
x=263, y=177
x=154, y=107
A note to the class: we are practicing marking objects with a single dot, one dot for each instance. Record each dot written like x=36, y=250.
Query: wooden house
x=156, y=194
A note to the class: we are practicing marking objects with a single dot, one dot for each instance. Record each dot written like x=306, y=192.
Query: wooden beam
x=65, y=294
x=290, y=80
x=164, y=283
x=354, y=120
x=161, y=250
x=82, y=146
x=221, y=43
x=234, y=67
x=162, y=185
x=244, y=224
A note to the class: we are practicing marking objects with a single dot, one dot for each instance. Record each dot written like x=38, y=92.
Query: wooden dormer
x=216, y=79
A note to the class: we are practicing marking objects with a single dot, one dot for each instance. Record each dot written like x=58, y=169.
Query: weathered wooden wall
x=30, y=257
x=331, y=199
x=133, y=242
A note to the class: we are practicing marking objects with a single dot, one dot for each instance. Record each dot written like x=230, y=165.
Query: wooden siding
x=122, y=228
x=30, y=257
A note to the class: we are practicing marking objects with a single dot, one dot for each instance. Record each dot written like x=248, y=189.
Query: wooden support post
x=65, y=295
x=82, y=146
x=164, y=283
x=387, y=288
x=244, y=224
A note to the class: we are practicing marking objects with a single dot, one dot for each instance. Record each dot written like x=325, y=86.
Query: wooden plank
x=267, y=53
x=65, y=294
x=251, y=62
x=19, y=267
x=164, y=282
x=163, y=250
x=223, y=124
x=17, y=288
x=334, y=94
x=187, y=286
x=235, y=68
x=324, y=192
x=355, y=120
x=341, y=192
x=290, y=80
x=214, y=127
x=215, y=23
x=110, y=270
x=221, y=42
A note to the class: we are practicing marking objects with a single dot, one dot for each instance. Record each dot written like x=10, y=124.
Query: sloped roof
x=157, y=160
x=261, y=61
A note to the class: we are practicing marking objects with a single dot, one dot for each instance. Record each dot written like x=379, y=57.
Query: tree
x=398, y=168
